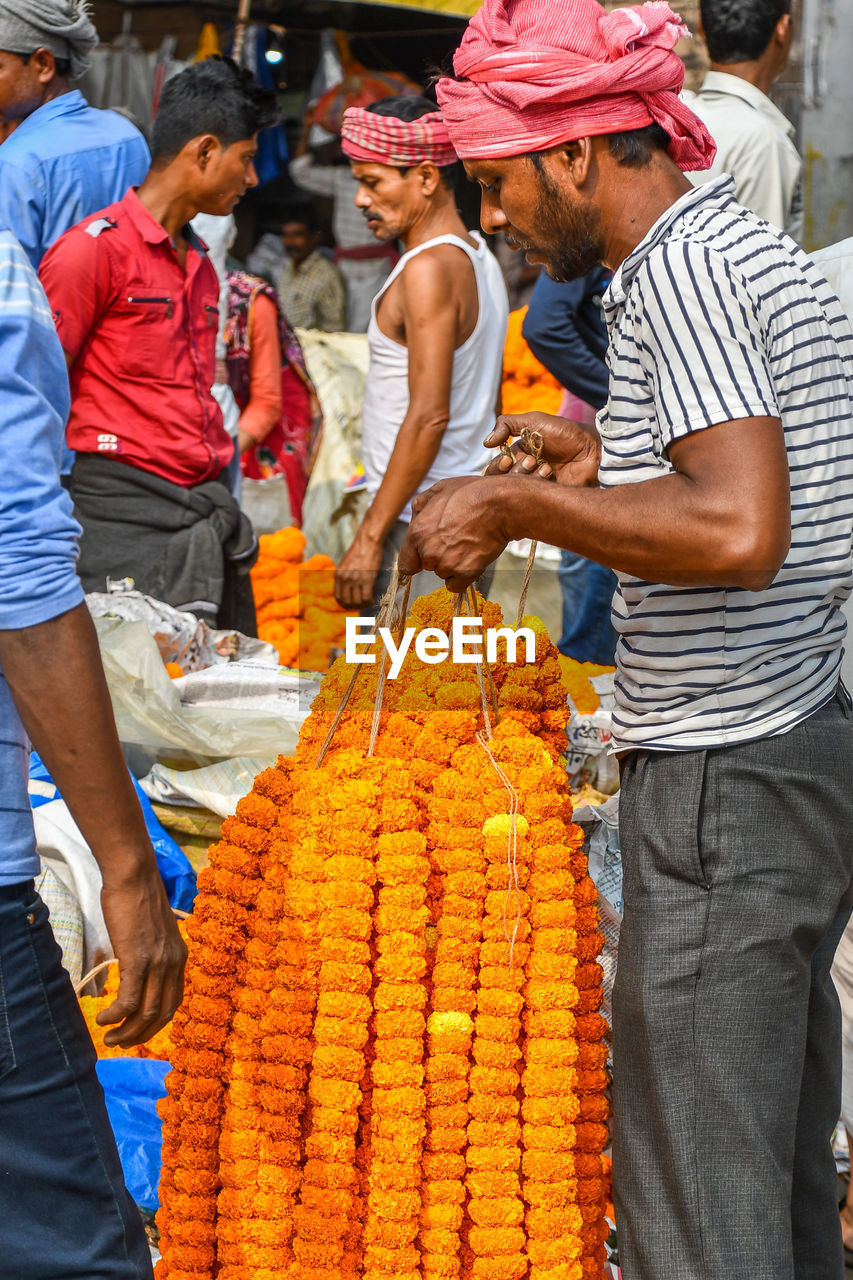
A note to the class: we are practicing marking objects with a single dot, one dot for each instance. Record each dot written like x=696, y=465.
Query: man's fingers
x=144, y=1007
x=409, y=560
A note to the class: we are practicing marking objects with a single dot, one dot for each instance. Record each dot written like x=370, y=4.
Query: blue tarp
x=175, y=867
x=132, y=1087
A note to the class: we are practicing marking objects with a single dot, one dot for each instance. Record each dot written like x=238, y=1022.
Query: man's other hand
x=355, y=576
x=570, y=453
x=151, y=957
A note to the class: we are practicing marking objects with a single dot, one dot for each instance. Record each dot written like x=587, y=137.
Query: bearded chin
x=571, y=263
x=573, y=243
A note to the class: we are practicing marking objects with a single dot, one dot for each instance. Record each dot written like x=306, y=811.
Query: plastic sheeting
x=59, y=839
x=132, y=1088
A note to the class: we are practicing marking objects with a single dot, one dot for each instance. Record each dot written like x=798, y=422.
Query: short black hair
x=740, y=30
x=408, y=107
x=633, y=148
x=214, y=96
x=300, y=211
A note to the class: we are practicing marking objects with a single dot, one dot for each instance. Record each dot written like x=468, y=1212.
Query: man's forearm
x=416, y=449
x=665, y=530
x=57, y=682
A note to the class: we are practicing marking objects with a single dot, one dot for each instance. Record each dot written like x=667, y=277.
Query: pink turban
x=534, y=73
x=376, y=139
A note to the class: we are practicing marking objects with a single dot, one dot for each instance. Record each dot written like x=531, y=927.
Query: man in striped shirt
x=719, y=486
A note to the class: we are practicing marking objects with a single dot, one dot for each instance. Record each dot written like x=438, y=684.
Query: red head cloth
x=534, y=73
x=379, y=139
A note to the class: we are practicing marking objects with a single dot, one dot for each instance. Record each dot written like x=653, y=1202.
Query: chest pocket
x=631, y=447
x=145, y=323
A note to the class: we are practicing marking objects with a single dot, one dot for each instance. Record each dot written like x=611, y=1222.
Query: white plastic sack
x=181, y=637
x=153, y=724
x=62, y=848
x=587, y=757
x=216, y=787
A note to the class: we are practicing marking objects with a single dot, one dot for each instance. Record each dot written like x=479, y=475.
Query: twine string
x=533, y=444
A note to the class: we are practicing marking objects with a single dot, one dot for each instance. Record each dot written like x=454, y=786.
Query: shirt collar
x=65, y=105
x=152, y=231
x=737, y=87
x=714, y=194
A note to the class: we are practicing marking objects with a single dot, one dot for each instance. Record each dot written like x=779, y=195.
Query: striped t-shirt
x=715, y=317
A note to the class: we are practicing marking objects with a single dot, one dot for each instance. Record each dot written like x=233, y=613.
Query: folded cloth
x=531, y=74
x=192, y=548
x=61, y=26
x=369, y=137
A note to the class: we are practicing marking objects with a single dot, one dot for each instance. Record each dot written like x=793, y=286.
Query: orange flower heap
x=399, y=1057
x=295, y=601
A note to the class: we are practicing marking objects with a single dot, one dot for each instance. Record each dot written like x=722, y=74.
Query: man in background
x=64, y=1209
x=748, y=43
x=63, y=159
x=564, y=328
x=136, y=303
x=363, y=261
x=310, y=287
x=436, y=333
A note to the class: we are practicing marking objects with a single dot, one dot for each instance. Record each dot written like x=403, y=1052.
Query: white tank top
x=476, y=377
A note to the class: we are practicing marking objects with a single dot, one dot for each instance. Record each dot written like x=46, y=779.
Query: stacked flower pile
x=527, y=384
x=295, y=601
x=390, y=1063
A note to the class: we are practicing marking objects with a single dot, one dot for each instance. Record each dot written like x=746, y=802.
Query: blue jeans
x=64, y=1210
x=587, y=590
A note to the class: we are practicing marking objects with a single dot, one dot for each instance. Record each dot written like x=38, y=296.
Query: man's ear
x=44, y=64
x=428, y=177
x=783, y=33
x=203, y=149
x=576, y=159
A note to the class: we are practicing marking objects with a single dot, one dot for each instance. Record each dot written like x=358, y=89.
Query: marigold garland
x=390, y=1061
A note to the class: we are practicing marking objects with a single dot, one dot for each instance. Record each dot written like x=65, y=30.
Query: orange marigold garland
x=408, y=1079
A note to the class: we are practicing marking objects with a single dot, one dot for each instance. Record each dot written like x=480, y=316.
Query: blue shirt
x=38, y=535
x=63, y=162
x=564, y=328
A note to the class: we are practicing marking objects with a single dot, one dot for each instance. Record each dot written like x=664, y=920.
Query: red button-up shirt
x=140, y=332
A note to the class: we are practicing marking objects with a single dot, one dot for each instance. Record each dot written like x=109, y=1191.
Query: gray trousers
x=726, y=1038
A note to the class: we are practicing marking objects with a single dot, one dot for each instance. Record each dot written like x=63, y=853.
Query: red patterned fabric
x=377, y=139
x=534, y=73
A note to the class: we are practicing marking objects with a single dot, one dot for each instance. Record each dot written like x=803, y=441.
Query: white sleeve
x=320, y=179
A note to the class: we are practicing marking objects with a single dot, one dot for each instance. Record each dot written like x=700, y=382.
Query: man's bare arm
x=431, y=308
x=721, y=519
x=57, y=682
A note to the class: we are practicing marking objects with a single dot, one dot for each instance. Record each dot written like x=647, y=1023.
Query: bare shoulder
x=443, y=272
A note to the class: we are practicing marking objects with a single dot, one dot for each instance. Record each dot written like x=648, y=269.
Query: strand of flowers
x=493, y=1155
x=456, y=820
x=398, y=1102
x=346, y=802
x=550, y=1109
x=192, y=1109
x=259, y=1141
